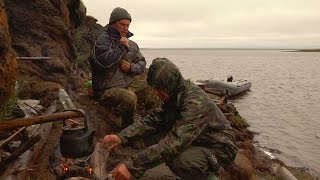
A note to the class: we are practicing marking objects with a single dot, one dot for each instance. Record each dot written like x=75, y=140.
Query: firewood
x=20, y=151
x=9, y=139
x=98, y=161
x=20, y=122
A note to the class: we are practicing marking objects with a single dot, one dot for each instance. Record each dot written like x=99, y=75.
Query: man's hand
x=121, y=172
x=125, y=66
x=111, y=141
x=124, y=41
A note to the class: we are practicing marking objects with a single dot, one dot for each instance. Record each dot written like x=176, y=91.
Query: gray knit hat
x=118, y=14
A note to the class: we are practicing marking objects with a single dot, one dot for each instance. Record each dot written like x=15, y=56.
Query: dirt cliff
x=44, y=29
x=8, y=63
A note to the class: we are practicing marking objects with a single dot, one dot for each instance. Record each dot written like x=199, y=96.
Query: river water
x=283, y=105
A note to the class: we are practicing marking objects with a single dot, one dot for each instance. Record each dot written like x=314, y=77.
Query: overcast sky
x=217, y=23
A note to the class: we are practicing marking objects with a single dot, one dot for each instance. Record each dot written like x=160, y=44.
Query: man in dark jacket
x=199, y=140
x=115, y=60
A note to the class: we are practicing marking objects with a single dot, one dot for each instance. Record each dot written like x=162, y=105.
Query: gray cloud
x=218, y=23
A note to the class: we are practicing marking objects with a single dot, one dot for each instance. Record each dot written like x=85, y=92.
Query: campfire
x=71, y=157
x=92, y=166
x=71, y=167
x=75, y=154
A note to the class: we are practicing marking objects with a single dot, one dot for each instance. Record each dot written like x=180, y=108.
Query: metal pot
x=77, y=141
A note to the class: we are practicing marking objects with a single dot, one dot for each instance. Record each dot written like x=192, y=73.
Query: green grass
x=7, y=110
x=240, y=121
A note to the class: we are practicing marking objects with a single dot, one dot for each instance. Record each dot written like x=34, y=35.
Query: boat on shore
x=229, y=87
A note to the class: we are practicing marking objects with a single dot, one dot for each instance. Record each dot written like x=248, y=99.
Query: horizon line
x=231, y=48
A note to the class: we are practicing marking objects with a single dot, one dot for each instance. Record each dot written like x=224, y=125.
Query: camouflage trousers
x=125, y=100
x=197, y=162
x=147, y=99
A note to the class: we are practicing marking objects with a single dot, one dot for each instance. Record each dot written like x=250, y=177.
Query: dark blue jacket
x=106, y=57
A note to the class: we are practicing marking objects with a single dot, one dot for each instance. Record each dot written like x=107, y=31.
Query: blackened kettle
x=77, y=141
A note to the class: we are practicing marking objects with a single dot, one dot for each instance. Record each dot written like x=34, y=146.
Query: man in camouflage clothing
x=199, y=140
x=115, y=61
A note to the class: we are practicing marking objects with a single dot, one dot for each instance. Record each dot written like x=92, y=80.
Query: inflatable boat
x=230, y=87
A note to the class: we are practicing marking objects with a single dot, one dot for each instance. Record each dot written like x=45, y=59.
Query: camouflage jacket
x=106, y=56
x=191, y=117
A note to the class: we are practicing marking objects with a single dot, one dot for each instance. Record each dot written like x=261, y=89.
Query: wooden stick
x=98, y=161
x=16, y=123
x=17, y=171
x=73, y=121
x=9, y=139
x=27, y=159
x=33, y=58
x=39, y=112
x=20, y=151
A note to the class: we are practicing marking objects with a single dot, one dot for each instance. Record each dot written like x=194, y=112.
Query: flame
x=90, y=170
x=65, y=168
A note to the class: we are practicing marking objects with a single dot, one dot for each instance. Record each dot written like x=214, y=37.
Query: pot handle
x=91, y=136
x=84, y=114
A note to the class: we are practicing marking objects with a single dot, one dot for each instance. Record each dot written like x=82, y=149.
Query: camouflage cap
x=165, y=75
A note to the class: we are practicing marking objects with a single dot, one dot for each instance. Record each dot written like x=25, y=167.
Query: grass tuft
x=7, y=110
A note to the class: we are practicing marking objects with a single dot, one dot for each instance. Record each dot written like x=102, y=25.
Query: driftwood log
x=19, y=166
x=9, y=139
x=21, y=122
x=33, y=58
x=98, y=161
x=20, y=151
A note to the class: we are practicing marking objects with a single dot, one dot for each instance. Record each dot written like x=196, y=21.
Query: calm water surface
x=283, y=104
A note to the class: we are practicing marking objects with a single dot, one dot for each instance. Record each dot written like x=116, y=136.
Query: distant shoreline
x=285, y=50
x=308, y=50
